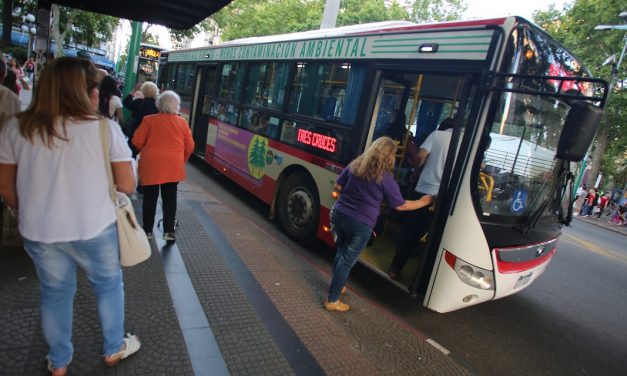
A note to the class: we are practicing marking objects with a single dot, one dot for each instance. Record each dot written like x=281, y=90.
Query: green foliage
x=150, y=38
x=353, y=12
x=574, y=27
x=246, y=18
x=17, y=52
x=90, y=28
x=436, y=10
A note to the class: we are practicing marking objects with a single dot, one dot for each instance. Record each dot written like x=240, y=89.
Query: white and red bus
x=282, y=115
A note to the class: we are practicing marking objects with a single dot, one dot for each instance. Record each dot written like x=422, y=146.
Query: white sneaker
x=169, y=236
x=131, y=346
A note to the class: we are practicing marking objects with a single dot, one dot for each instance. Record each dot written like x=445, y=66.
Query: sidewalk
x=226, y=298
x=603, y=222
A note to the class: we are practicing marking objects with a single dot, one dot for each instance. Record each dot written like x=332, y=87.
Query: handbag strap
x=104, y=140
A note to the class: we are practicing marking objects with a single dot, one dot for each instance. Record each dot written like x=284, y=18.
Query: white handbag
x=134, y=245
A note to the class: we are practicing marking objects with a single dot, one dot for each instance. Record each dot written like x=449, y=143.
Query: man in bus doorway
x=431, y=156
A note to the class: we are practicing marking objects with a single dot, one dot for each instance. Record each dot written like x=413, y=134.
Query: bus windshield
x=518, y=164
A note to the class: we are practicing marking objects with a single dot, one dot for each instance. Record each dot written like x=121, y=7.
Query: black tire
x=299, y=207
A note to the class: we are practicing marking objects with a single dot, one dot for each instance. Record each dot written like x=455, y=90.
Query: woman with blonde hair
x=362, y=187
x=165, y=143
x=52, y=155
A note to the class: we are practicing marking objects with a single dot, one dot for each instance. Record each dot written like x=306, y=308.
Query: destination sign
x=148, y=52
x=316, y=140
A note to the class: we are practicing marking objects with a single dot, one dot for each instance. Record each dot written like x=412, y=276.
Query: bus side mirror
x=580, y=127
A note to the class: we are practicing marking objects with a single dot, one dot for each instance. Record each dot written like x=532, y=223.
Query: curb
x=598, y=224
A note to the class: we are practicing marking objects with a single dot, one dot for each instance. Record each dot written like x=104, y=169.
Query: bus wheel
x=299, y=207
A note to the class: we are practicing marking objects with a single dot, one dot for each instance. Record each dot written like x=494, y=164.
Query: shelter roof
x=175, y=14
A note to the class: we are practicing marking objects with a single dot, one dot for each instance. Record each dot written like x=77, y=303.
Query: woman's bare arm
x=123, y=177
x=8, y=192
x=415, y=204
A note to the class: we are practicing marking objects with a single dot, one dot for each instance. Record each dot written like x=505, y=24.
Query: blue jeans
x=351, y=238
x=56, y=265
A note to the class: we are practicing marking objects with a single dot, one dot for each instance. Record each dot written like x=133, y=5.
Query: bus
x=282, y=115
x=148, y=62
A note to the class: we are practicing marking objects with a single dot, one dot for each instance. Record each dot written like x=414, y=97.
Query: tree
x=246, y=18
x=574, y=27
x=84, y=27
x=150, y=39
x=353, y=12
x=436, y=10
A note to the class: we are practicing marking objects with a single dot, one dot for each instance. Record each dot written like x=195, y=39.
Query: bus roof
x=361, y=29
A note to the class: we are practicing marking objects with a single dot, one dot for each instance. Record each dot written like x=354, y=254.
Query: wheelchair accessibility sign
x=519, y=201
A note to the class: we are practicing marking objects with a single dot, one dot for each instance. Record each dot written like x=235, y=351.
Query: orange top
x=165, y=143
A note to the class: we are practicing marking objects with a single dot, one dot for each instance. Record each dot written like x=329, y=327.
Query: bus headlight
x=469, y=274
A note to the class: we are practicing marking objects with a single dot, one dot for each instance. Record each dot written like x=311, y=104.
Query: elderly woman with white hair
x=165, y=143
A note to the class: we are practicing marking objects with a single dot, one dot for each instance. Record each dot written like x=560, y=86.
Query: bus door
x=424, y=100
x=205, y=84
x=448, y=282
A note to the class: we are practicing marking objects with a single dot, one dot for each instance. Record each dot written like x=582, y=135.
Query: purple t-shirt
x=362, y=199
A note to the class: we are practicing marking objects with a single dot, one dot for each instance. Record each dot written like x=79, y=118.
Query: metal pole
x=132, y=60
x=130, y=77
x=329, y=17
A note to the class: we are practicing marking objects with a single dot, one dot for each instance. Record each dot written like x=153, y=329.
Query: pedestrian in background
x=362, y=186
x=141, y=101
x=110, y=104
x=10, y=82
x=51, y=154
x=29, y=68
x=15, y=67
x=9, y=101
x=165, y=143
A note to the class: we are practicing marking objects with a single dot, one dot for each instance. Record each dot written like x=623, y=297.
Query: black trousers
x=168, y=201
x=416, y=225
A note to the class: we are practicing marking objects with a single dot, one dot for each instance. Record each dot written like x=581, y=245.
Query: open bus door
x=205, y=83
x=450, y=225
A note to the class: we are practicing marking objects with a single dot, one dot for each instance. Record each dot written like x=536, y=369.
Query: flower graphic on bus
x=257, y=156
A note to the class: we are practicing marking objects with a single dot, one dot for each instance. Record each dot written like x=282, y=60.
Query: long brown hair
x=62, y=92
x=377, y=160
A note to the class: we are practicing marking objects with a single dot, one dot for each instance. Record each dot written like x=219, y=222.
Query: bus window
x=266, y=85
x=185, y=79
x=249, y=119
x=288, y=133
x=228, y=113
x=520, y=157
x=231, y=81
x=257, y=122
x=325, y=90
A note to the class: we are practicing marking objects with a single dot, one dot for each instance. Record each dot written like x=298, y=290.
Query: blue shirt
x=362, y=199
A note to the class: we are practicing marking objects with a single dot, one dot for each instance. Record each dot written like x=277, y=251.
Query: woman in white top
x=66, y=216
x=110, y=104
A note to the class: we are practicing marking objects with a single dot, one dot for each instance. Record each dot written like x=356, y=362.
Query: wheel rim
x=300, y=207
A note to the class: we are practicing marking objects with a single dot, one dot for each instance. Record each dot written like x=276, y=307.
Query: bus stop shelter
x=179, y=14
